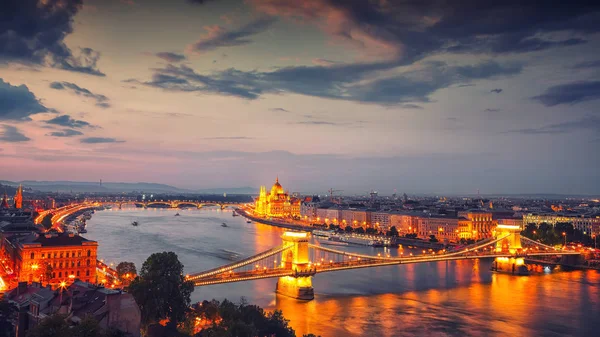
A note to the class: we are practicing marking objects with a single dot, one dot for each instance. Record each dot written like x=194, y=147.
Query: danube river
x=434, y=299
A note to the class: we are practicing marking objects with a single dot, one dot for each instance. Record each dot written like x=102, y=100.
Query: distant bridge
x=296, y=261
x=173, y=203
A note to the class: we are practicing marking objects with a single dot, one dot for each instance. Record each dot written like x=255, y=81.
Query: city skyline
x=358, y=96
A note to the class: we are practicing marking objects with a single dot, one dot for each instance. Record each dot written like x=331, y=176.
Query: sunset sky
x=420, y=96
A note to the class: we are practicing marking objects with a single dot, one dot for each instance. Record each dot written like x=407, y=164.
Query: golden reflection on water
x=509, y=306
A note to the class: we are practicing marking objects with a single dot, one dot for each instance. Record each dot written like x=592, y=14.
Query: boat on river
x=134, y=223
x=176, y=214
x=332, y=243
x=224, y=225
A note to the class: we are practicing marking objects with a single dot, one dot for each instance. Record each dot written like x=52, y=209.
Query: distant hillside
x=109, y=187
x=235, y=190
x=95, y=187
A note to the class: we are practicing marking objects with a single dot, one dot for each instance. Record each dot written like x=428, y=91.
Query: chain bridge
x=296, y=261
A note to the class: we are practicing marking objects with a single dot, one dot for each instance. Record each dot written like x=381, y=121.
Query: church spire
x=19, y=197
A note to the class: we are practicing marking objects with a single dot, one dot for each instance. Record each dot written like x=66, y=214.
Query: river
x=460, y=298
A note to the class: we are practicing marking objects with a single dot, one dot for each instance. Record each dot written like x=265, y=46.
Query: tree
x=432, y=238
x=88, y=327
x=393, y=231
x=371, y=231
x=47, y=221
x=47, y=271
x=349, y=229
x=8, y=315
x=126, y=272
x=359, y=230
x=161, y=290
x=53, y=326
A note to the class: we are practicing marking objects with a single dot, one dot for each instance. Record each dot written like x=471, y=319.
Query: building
x=4, y=203
x=331, y=215
x=19, y=197
x=52, y=258
x=445, y=228
x=585, y=223
x=277, y=203
x=405, y=223
x=113, y=309
x=308, y=210
x=482, y=223
x=381, y=220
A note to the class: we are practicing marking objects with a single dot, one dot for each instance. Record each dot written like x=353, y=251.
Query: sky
x=428, y=96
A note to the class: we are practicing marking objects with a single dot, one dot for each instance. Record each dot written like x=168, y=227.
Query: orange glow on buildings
x=53, y=258
x=277, y=203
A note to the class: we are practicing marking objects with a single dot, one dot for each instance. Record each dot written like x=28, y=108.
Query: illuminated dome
x=277, y=187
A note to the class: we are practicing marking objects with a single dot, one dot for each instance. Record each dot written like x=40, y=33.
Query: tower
x=4, y=203
x=19, y=197
x=296, y=258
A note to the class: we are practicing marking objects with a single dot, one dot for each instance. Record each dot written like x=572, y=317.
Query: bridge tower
x=511, y=244
x=299, y=285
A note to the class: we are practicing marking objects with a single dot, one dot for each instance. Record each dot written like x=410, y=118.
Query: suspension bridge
x=297, y=260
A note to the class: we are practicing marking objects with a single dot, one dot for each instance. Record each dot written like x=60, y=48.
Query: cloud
x=18, y=103
x=170, y=57
x=65, y=133
x=411, y=106
x=33, y=32
x=198, y=2
x=324, y=62
x=101, y=100
x=279, y=110
x=497, y=91
x=587, y=65
x=12, y=135
x=319, y=123
x=218, y=37
x=67, y=121
x=587, y=123
x=230, y=138
x=414, y=29
x=100, y=140
x=570, y=93
x=351, y=82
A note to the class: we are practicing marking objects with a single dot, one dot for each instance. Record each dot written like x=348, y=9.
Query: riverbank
x=274, y=223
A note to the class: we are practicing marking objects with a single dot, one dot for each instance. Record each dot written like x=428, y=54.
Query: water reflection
x=461, y=298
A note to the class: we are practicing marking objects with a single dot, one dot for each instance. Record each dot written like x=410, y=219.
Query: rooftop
x=55, y=240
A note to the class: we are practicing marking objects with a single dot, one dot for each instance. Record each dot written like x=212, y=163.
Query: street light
x=565, y=235
x=594, y=237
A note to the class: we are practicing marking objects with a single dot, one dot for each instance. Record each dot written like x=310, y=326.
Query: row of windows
x=60, y=274
x=61, y=254
x=66, y=264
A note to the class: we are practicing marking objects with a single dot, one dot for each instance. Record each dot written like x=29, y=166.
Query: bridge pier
x=299, y=285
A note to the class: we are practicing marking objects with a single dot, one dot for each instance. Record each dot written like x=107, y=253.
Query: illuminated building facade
x=482, y=223
x=53, y=258
x=19, y=198
x=277, y=203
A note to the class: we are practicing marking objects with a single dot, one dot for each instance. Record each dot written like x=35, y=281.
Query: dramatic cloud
x=587, y=65
x=12, y=135
x=170, y=57
x=66, y=133
x=218, y=37
x=587, y=123
x=413, y=29
x=496, y=91
x=101, y=100
x=18, y=103
x=67, y=121
x=571, y=93
x=100, y=140
x=352, y=82
x=33, y=32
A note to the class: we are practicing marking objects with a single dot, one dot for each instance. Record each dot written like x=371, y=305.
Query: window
x=43, y=255
x=88, y=262
x=78, y=263
x=32, y=256
x=62, y=255
x=55, y=255
x=78, y=273
x=87, y=273
x=78, y=253
x=89, y=253
x=72, y=264
x=53, y=274
x=67, y=254
x=60, y=274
